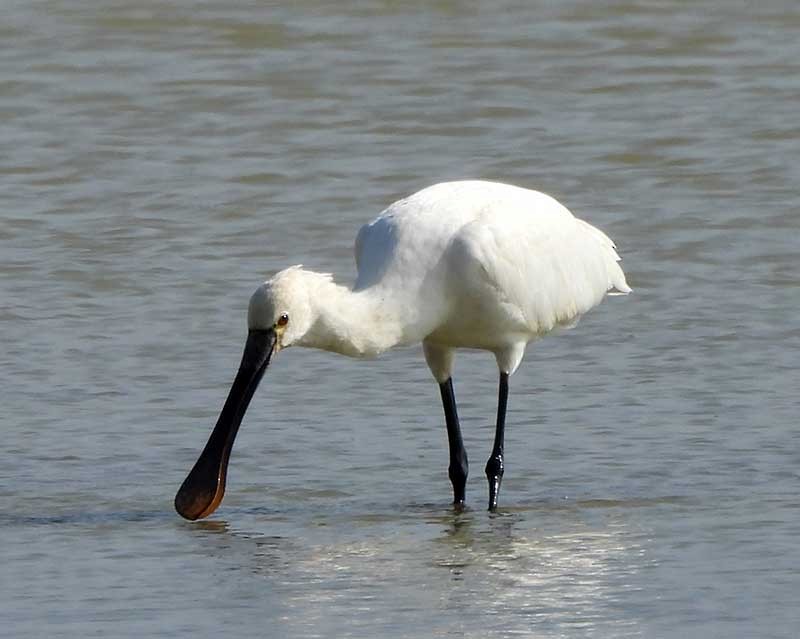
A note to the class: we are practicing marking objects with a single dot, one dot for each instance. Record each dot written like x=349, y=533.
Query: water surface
x=160, y=161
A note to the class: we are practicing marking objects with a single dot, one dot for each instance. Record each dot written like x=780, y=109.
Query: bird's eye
x=283, y=320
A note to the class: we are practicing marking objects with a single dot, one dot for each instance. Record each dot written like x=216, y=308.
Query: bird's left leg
x=459, y=466
x=440, y=361
x=494, y=467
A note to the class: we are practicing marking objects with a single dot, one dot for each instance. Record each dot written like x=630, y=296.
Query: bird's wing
x=546, y=266
x=375, y=249
x=406, y=241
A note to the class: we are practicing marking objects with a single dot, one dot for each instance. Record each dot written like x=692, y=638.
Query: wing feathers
x=552, y=269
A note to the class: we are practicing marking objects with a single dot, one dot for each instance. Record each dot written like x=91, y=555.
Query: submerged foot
x=494, y=473
x=458, y=478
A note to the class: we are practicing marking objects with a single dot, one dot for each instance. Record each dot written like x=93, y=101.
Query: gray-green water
x=160, y=159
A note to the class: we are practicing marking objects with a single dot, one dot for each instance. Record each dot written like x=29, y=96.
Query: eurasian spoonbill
x=470, y=264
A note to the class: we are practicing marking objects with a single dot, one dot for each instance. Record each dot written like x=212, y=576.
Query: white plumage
x=457, y=265
x=467, y=264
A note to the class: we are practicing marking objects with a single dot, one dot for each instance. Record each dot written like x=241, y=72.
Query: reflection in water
x=570, y=577
x=213, y=526
x=255, y=552
x=369, y=571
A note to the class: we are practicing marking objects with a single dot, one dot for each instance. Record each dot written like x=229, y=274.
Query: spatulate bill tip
x=198, y=504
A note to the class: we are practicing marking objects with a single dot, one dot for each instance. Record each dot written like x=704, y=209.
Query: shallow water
x=161, y=161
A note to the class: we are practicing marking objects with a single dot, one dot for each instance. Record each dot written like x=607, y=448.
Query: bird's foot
x=458, y=477
x=494, y=490
x=494, y=473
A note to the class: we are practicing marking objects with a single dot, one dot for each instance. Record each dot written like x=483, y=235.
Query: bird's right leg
x=494, y=467
x=459, y=466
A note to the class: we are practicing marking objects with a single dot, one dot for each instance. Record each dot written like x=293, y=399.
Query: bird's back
x=409, y=236
x=489, y=255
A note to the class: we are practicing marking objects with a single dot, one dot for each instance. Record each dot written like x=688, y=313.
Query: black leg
x=494, y=467
x=458, y=456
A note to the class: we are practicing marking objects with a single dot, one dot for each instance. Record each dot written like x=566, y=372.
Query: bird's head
x=283, y=306
x=280, y=314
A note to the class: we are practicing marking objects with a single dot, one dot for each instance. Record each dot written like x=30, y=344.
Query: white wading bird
x=457, y=265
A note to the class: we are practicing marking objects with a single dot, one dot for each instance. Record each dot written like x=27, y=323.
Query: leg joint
x=494, y=467
x=458, y=471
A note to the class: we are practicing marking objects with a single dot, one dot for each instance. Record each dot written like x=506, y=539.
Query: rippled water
x=159, y=161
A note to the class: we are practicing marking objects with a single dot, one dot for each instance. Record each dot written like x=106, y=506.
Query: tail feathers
x=616, y=277
x=618, y=285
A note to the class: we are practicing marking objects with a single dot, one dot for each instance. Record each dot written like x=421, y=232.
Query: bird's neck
x=356, y=323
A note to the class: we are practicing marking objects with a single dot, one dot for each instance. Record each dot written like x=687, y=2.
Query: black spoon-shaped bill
x=204, y=487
